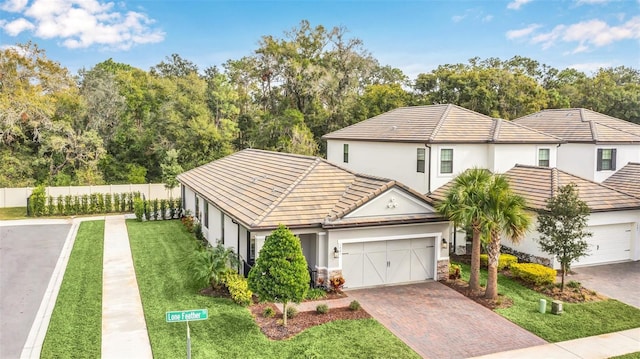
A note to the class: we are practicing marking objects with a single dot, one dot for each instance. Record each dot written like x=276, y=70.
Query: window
x=543, y=157
x=420, y=163
x=606, y=159
x=197, y=207
x=345, y=153
x=222, y=228
x=252, y=247
x=183, y=198
x=206, y=214
x=446, y=160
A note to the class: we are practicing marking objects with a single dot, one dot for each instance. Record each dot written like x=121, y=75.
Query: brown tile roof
x=262, y=189
x=537, y=184
x=582, y=125
x=626, y=179
x=439, y=124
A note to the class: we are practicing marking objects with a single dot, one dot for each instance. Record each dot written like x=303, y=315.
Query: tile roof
x=626, y=179
x=262, y=189
x=537, y=184
x=440, y=124
x=582, y=125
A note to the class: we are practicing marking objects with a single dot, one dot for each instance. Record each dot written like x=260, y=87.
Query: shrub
x=354, y=305
x=129, y=202
x=108, y=208
x=533, y=273
x=238, y=288
x=455, y=271
x=163, y=209
x=316, y=293
x=188, y=222
x=147, y=209
x=336, y=283
x=574, y=284
x=268, y=312
x=116, y=202
x=60, y=204
x=291, y=312
x=37, y=201
x=51, y=207
x=322, y=309
x=505, y=260
x=76, y=205
x=138, y=209
x=68, y=205
x=123, y=202
x=84, y=207
x=93, y=203
x=156, y=209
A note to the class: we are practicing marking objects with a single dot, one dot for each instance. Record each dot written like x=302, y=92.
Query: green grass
x=635, y=355
x=160, y=250
x=75, y=329
x=13, y=213
x=578, y=320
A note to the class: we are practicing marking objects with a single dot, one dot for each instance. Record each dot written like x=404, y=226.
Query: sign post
x=186, y=316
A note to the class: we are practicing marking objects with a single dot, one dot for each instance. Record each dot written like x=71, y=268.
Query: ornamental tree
x=280, y=273
x=562, y=228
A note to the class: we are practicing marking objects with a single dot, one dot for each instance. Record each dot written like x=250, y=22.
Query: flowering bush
x=337, y=282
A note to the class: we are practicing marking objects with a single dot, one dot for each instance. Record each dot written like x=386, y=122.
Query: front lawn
x=13, y=213
x=75, y=329
x=160, y=251
x=578, y=320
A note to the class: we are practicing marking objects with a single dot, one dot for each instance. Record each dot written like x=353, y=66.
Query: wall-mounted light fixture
x=336, y=252
x=444, y=243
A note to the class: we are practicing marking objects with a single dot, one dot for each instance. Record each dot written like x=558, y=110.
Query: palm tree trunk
x=493, y=255
x=474, y=276
x=284, y=314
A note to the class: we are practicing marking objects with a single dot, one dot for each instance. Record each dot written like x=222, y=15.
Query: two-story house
x=425, y=147
x=596, y=145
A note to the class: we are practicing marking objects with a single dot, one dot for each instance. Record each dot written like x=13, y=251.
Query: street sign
x=186, y=315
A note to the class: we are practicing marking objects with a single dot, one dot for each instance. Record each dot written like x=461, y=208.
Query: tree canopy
x=114, y=123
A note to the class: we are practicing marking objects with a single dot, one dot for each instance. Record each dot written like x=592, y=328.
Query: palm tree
x=463, y=205
x=503, y=214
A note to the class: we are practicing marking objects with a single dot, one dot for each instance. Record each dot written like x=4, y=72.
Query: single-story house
x=372, y=231
x=614, y=220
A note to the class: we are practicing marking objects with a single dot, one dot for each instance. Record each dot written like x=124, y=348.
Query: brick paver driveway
x=438, y=322
x=620, y=281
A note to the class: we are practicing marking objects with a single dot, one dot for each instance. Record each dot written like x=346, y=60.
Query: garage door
x=366, y=264
x=610, y=243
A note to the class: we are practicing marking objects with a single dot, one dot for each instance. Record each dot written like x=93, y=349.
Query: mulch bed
x=462, y=287
x=273, y=328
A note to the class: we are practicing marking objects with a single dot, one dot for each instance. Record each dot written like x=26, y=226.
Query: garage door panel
x=388, y=262
x=609, y=243
x=375, y=268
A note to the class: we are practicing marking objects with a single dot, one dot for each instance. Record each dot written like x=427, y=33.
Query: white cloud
x=587, y=34
x=487, y=18
x=13, y=5
x=515, y=34
x=590, y=66
x=458, y=18
x=516, y=4
x=15, y=27
x=591, y=2
x=83, y=23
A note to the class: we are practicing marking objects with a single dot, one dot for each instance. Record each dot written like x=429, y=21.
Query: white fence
x=17, y=197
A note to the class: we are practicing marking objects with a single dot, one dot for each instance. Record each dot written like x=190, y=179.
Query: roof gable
x=393, y=202
x=439, y=124
x=263, y=189
x=626, y=179
x=582, y=125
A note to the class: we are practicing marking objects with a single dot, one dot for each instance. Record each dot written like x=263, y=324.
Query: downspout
x=429, y=167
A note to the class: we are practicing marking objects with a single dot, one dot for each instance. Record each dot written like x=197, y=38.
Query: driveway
x=438, y=322
x=28, y=255
x=620, y=281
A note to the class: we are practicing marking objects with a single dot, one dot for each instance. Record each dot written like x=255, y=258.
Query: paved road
x=28, y=255
x=438, y=322
x=620, y=281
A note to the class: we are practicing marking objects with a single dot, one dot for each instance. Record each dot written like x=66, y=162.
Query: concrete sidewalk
x=124, y=330
x=596, y=347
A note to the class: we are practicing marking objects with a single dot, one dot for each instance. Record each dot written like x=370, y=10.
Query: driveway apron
x=619, y=281
x=438, y=322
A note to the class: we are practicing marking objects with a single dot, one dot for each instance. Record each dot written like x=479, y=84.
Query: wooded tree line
x=115, y=123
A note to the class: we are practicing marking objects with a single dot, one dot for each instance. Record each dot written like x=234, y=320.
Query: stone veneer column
x=443, y=269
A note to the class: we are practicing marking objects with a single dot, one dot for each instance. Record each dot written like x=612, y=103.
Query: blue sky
x=415, y=36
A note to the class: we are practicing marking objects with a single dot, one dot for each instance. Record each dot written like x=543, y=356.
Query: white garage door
x=610, y=243
x=366, y=264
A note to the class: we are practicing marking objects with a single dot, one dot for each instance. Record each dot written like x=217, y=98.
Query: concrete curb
x=33, y=345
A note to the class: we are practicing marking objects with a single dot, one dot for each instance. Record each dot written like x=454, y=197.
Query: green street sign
x=187, y=315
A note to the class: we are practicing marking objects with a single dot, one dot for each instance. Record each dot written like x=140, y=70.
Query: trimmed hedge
x=504, y=261
x=533, y=273
x=238, y=288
